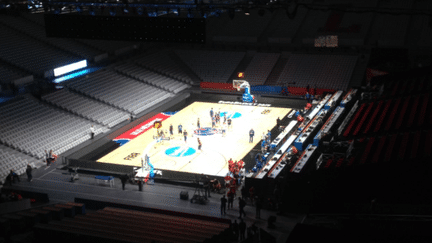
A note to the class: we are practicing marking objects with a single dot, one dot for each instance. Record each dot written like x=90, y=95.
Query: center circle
x=205, y=131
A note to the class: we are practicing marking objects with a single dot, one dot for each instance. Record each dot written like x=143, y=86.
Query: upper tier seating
x=283, y=28
x=211, y=66
x=7, y=75
x=260, y=68
x=88, y=108
x=32, y=127
x=245, y=26
x=320, y=71
x=147, y=76
x=162, y=63
x=393, y=27
x=33, y=56
x=119, y=91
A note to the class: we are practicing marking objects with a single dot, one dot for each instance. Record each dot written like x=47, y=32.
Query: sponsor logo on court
x=178, y=151
x=232, y=115
x=206, y=131
x=243, y=103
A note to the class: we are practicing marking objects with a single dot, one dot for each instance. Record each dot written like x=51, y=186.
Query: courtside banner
x=141, y=128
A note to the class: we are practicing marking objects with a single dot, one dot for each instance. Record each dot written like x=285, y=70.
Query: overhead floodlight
x=69, y=68
x=176, y=11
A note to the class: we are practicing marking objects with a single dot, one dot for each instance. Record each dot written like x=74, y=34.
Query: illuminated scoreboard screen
x=327, y=41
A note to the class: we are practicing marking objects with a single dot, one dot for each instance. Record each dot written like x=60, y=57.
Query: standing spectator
x=278, y=122
x=230, y=199
x=47, y=158
x=258, y=208
x=242, y=229
x=198, y=124
x=223, y=205
x=263, y=146
x=185, y=135
x=171, y=130
x=140, y=184
x=242, y=204
x=92, y=132
x=251, y=135
x=207, y=187
x=13, y=176
x=199, y=144
x=236, y=229
x=123, y=180
x=180, y=129
x=308, y=97
x=29, y=173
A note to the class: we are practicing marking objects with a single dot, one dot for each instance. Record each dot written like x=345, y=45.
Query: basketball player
x=171, y=130
x=225, y=118
x=199, y=144
x=213, y=122
x=180, y=129
x=211, y=113
x=198, y=124
x=229, y=123
x=185, y=136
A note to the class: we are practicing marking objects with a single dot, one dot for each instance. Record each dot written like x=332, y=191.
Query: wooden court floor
x=178, y=155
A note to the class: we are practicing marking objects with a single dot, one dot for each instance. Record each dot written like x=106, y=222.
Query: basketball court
x=177, y=155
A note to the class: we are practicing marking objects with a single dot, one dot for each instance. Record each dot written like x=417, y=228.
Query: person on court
x=211, y=113
x=198, y=124
x=229, y=123
x=251, y=135
x=180, y=129
x=171, y=130
x=213, y=122
x=199, y=144
x=185, y=136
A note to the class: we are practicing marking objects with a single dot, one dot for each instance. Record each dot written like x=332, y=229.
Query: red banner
x=141, y=128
